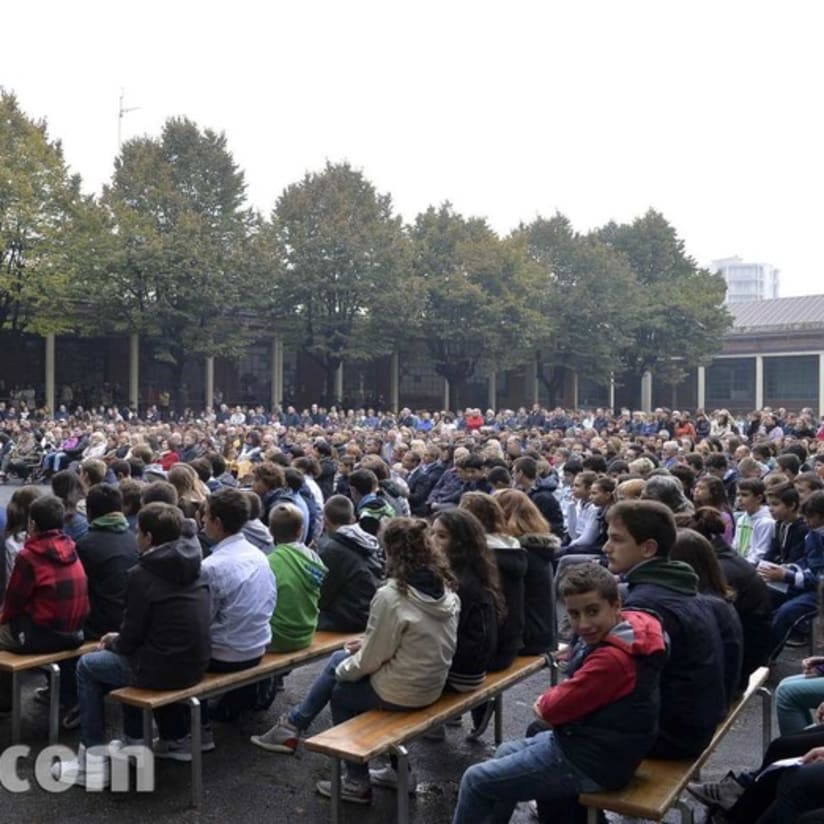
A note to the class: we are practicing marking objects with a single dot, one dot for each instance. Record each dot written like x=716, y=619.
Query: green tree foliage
x=587, y=307
x=44, y=219
x=338, y=255
x=683, y=318
x=475, y=293
x=181, y=270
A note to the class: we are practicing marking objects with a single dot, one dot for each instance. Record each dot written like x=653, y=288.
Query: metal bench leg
x=499, y=718
x=686, y=812
x=15, y=708
x=197, y=752
x=592, y=815
x=148, y=738
x=335, y=790
x=402, y=768
x=54, y=702
x=766, y=717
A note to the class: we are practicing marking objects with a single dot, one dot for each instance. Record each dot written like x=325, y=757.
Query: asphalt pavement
x=245, y=784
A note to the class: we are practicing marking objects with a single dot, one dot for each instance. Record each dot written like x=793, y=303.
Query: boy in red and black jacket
x=604, y=717
x=46, y=599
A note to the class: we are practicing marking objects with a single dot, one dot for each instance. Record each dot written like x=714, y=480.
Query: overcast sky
x=710, y=112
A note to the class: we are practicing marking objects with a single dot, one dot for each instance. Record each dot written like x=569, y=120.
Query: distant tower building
x=747, y=281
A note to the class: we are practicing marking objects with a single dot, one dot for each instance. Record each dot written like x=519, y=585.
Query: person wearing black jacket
x=107, y=551
x=753, y=602
x=693, y=696
x=326, y=478
x=541, y=492
x=354, y=562
x=163, y=643
x=460, y=536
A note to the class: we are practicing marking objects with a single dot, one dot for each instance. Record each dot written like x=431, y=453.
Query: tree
x=683, y=318
x=42, y=213
x=338, y=259
x=588, y=303
x=475, y=292
x=180, y=270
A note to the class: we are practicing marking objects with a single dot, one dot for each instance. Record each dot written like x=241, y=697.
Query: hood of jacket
x=112, y=522
x=176, y=561
x=675, y=575
x=430, y=596
x=256, y=534
x=510, y=556
x=53, y=545
x=356, y=538
x=639, y=633
x=545, y=545
x=549, y=483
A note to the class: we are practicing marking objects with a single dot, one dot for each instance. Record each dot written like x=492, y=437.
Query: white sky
x=710, y=112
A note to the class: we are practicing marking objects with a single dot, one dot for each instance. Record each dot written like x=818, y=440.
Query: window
x=791, y=378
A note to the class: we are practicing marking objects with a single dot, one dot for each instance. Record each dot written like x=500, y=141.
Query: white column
x=210, y=383
x=820, y=383
x=575, y=389
x=445, y=394
x=702, y=387
x=50, y=341
x=612, y=391
x=646, y=392
x=339, y=384
x=759, y=382
x=492, y=391
x=276, y=398
x=395, y=382
x=134, y=366
x=532, y=388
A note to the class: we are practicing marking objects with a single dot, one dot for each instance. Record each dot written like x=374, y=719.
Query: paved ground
x=245, y=784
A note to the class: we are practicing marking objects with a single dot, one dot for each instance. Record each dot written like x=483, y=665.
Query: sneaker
x=435, y=734
x=90, y=769
x=180, y=749
x=723, y=793
x=42, y=695
x=71, y=720
x=283, y=737
x=388, y=777
x=350, y=791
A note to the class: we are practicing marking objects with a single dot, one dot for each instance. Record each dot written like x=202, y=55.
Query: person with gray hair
x=669, y=491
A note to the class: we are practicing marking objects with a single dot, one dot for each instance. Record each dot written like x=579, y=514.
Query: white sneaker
x=180, y=749
x=90, y=769
x=388, y=777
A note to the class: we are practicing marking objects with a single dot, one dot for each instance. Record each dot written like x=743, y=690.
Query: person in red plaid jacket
x=46, y=599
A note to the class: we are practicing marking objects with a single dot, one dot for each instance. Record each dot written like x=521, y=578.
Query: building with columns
x=773, y=356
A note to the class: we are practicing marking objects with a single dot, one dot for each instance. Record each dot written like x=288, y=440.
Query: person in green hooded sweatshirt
x=299, y=573
x=640, y=536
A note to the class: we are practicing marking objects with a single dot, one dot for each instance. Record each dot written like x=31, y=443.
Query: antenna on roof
x=120, y=112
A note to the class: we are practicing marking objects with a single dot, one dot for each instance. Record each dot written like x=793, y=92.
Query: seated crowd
x=685, y=554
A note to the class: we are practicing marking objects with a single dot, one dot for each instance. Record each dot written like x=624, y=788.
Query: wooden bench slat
x=657, y=784
x=323, y=644
x=368, y=735
x=19, y=662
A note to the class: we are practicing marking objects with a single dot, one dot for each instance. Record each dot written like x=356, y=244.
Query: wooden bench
x=16, y=662
x=657, y=785
x=379, y=731
x=217, y=683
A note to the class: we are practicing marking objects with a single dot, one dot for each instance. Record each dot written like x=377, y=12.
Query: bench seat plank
x=373, y=733
x=657, y=784
x=323, y=644
x=19, y=662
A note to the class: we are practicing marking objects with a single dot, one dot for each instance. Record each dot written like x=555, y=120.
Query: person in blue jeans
x=604, y=717
x=794, y=587
x=163, y=643
x=401, y=663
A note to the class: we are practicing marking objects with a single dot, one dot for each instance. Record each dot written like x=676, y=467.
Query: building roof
x=806, y=312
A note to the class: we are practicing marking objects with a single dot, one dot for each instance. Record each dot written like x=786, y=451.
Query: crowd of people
x=685, y=550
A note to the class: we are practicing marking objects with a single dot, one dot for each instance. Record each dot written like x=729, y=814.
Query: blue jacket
x=693, y=694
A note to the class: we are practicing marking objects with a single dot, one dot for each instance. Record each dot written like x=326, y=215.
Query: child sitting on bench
x=604, y=717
